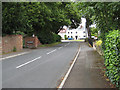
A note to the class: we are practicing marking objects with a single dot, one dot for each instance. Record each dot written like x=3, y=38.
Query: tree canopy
x=34, y=17
x=38, y=17
x=106, y=15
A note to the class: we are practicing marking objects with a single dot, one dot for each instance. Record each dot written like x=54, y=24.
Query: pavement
x=24, y=50
x=87, y=72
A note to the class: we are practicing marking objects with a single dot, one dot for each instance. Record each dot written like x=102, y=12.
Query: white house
x=76, y=34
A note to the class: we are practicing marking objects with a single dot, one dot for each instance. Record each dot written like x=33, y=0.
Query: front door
x=76, y=37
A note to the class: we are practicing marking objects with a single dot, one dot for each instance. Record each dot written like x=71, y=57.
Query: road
x=40, y=68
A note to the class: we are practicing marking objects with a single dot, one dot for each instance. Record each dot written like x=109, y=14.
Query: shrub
x=65, y=37
x=94, y=31
x=98, y=43
x=19, y=33
x=48, y=37
x=57, y=38
x=86, y=40
x=14, y=49
x=23, y=43
x=112, y=56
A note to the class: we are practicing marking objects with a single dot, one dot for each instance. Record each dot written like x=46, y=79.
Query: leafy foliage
x=38, y=18
x=99, y=42
x=112, y=56
x=65, y=37
x=14, y=49
x=57, y=38
x=94, y=31
x=73, y=13
x=12, y=17
x=48, y=37
x=106, y=15
x=87, y=11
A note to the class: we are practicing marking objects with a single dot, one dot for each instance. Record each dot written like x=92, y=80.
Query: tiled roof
x=62, y=31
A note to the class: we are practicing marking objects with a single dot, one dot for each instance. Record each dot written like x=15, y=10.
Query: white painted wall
x=62, y=35
x=78, y=33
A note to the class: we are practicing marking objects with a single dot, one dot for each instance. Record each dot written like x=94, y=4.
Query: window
x=76, y=32
x=83, y=31
x=71, y=32
x=83, y=36
x=68, y=36
x=68, y=32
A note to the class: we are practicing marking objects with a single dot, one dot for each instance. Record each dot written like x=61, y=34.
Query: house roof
x=63, y=31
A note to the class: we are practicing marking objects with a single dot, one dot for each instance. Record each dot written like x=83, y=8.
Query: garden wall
x=12, y=42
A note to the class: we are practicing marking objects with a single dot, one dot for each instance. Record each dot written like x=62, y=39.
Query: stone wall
x=12, y=42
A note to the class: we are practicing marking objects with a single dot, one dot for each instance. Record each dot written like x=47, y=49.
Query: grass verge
x=76, y=40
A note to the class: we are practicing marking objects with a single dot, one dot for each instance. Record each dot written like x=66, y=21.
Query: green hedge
x=57, y=38
x=112, y=56
x=48, y=37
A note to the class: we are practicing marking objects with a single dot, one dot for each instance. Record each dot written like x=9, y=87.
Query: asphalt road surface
x=40, y=68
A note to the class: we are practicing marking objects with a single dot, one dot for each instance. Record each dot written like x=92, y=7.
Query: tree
x=87, y=11
x=73, y=13
x=39, y=18
x=94, y=31
x=12, y=18
x=107, y=17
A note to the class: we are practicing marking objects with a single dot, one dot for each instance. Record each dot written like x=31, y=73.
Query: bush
x=112, y=56
x=98, y=43
x=23, y=43
x=14, y=49
x=48, y=37
x=57, y=38
x=86, y=40
x=94, y=31
x=20, y=33
x=65, y=37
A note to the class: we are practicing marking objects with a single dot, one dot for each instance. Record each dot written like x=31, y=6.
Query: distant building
x=75, y=34
x=62, y=33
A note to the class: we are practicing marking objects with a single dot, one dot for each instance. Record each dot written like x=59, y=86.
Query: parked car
x=70, y=38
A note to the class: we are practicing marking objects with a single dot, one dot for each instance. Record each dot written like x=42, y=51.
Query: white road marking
x=67, y=44
x=66, y=76
x=13, y=56
x=51, y=51
x=28, y=62
x=60, y=47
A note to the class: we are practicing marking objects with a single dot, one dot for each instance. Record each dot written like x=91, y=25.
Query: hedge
x=48, y=37
x=112, y=57
x=57, y=38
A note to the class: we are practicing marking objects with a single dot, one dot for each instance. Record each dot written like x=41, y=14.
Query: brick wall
x=32, y=42
x=0, y=46
x=11, y=41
